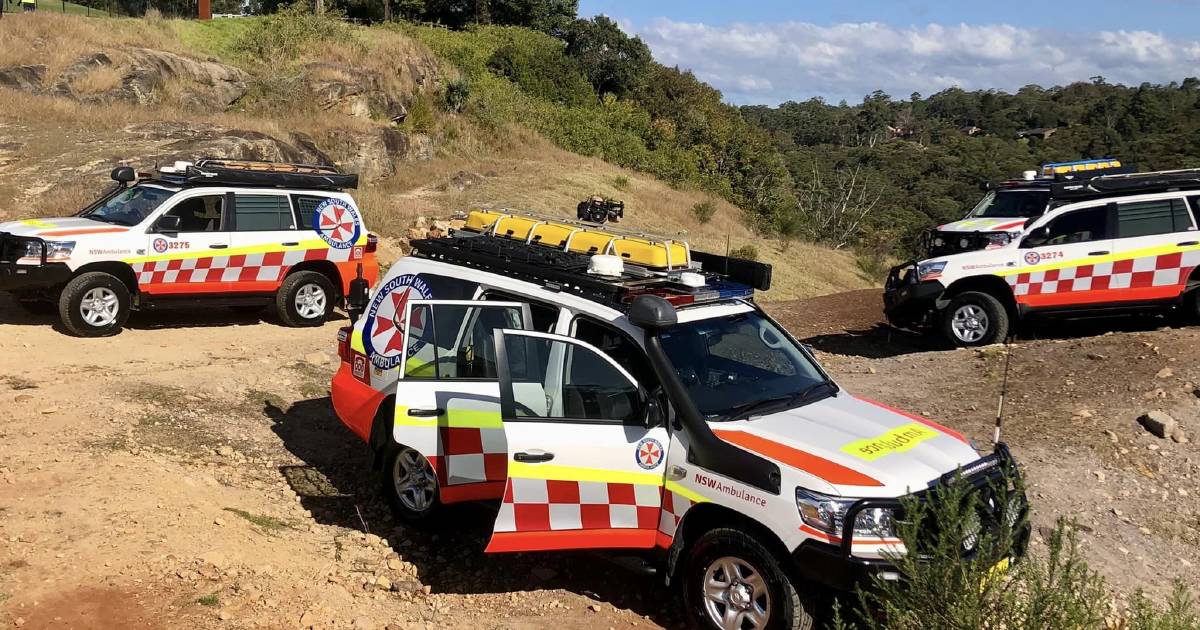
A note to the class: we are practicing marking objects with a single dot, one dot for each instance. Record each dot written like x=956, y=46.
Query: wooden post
x=205, y=9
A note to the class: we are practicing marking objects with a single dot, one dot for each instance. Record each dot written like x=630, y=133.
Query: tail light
x=372, y=243
x=343, y=338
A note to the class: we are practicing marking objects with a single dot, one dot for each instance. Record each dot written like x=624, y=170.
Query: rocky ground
x=189, y=473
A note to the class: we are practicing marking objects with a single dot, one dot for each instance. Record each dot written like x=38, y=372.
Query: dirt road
x=189, y=473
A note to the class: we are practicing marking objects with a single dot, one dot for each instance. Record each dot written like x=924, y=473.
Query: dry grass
x=57, y=40
x=99, y=79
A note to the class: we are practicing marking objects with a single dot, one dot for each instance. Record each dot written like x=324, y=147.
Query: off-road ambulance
x=610, y=390
x=1000, y=217
x=1112, y=244
x=214, y=233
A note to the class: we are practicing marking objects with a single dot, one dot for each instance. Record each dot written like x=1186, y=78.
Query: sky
x=770, y=51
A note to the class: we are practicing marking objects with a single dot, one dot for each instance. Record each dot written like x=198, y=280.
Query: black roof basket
x=212, y=171
x=1131, y=184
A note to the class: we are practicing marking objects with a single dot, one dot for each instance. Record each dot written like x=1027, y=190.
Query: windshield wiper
x=807, y=395
x=101, y=219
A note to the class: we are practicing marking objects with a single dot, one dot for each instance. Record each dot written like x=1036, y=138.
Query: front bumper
x=14, y=277
x=836, y=567
x=908, y=302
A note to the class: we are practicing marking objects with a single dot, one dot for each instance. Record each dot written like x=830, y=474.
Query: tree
x=613, y=62
x=548, y=16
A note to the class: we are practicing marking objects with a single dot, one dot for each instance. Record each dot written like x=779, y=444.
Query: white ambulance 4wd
x=216, y=233
x=1114, y=244
x=632, y=400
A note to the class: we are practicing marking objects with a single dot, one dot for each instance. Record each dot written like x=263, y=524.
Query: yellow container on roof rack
x=639, y=249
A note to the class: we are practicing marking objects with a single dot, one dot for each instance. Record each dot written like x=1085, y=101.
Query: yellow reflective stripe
x=453, y=418
x=1145, y=252
x=356, y=341
x=232, y=251
x=37, y=223
x=572, y=473
x=674, y=486
x=897, y=440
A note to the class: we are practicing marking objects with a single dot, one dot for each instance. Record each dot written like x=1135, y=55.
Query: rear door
x=448, y=392
x=1155, y=249
x=263, y=228
x=584, y=469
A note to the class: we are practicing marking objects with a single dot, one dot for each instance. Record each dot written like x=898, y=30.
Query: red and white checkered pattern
x=263, y=267
x=473, y=455
x=674, y=505
x=533, y=505
x=1132, y=273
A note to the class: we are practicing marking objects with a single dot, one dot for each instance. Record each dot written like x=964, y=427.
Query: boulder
x=189, y=141
x=144, y=73
x=25, y=78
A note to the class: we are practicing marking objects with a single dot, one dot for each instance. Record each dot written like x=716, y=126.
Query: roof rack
x=256, y=173
x=568, y=271
x=1128, y=184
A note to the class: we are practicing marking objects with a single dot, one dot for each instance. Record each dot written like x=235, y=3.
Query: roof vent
x=178, y=167
x=605, y=265
x=1030, y=175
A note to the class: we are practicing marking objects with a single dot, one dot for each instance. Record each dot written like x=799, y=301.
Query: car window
x=306, y=208
x=200, y=214
x=440, y=347
x=129, y=206
x=257, y=213
x=1195, y=209
x=544, y=316
x=573, y=383
x=1079, y=226
x=1147, y=218
x=612, y=342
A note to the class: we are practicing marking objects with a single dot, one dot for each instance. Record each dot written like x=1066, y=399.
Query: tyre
x=975, y=319
x=94, y=304
x=305, y=299
x=410, y=485
x=733, y=582
x=1191, y=306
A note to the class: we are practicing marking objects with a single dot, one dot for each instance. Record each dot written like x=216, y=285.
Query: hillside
x=84, y=94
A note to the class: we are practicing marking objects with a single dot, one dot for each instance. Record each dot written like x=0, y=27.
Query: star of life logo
x=160, y=245
x=649, y=453
x=337, y=222
x=1032, y=258
x=384, y=330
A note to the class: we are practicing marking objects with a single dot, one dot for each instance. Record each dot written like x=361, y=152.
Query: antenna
x=1003, y=390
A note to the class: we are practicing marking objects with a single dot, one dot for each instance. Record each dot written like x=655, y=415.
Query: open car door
x=447, y=392
x=585, y=448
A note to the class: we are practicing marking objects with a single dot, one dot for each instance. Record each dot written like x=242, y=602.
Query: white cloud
x=770, y=63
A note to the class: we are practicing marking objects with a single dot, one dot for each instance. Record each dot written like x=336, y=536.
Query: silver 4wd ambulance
x=1112, y=244
x=1000, y=217
x=612, y=391
x=215, y=233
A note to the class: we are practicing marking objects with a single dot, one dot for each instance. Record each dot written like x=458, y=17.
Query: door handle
x=532, y=458
x=290, y=243
x=1099, y=253
x=425, y=413
x=1187, y=243
x=217, y=246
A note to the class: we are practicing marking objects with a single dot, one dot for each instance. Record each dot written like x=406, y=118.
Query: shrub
x=542, y=71
x=456, y=95
x=704, y=211
x=620, y=182
x=747, y=252
x=284, y=34
x=940, y=588
x=421, y=115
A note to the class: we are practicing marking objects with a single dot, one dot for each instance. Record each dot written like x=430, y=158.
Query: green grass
x=212, y=599
x=265, y=523
x=56, y=6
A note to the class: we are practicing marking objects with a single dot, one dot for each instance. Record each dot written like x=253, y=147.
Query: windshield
x=731, y=364
x=130, y=206
x=1012, y=204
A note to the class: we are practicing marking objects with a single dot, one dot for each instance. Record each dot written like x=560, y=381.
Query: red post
x=205, y=9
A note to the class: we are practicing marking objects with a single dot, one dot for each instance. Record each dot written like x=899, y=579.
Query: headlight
x=55, y=250
x=964, y=243
x=938, y=241
x=999, y=239
x=930, y=270
x=827, y=514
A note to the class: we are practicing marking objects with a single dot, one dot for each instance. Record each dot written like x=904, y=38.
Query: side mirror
x=651, y=313
x=124, y=175
x=168, y=224
x=654, y=412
